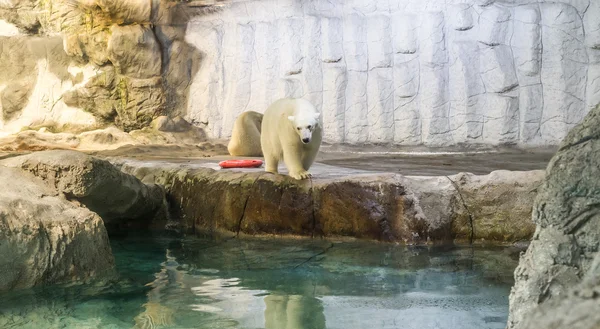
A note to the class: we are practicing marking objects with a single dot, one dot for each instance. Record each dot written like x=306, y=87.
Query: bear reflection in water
x=283, y=285
x=222, y=300
x=293, y=312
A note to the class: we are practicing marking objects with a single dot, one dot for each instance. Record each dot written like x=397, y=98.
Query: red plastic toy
x=240, y=163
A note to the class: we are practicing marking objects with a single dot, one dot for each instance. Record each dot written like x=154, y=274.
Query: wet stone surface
x=427, y=161
x=410, y=161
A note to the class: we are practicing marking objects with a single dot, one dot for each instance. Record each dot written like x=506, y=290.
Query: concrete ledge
x=345, y=202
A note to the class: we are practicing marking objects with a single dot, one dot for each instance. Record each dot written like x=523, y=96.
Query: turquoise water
x=278, y=284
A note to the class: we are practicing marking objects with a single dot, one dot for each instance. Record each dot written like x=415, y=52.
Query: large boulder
x=128, y=102
x=44, y=238
x=21, y=13
x=117, y=197
x=495, y=206
x=143, y=101
x=557, y=282
x=99, y=96
x=144, y=66
x=492, y=207
x=130, y=11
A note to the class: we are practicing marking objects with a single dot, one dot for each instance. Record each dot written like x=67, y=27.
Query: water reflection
x=293, y=312
x=225, y=298
x=271, y=285
x=156, y=313
x=282, y=284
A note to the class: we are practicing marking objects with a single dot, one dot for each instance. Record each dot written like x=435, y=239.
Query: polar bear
x=292, y=131
x=245, y=136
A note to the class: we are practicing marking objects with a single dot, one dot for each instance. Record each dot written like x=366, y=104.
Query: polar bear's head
x=305, y=124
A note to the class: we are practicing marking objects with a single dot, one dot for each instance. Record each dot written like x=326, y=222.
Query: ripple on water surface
x=278, y=284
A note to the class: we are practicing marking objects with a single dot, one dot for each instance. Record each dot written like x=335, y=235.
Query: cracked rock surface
x=344, y=202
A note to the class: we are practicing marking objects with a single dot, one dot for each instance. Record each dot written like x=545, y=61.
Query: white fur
x=245, y=136
x=285, y=124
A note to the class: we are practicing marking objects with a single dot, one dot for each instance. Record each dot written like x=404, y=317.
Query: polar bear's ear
x=291, y=118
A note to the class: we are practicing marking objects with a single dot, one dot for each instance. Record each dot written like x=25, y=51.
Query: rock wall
x=557, y=282
x=404, y=71
x=34, y=73
x=80, y=64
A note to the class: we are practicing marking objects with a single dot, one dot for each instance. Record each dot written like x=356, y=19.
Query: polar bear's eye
x=309, y=127
x=298, y=128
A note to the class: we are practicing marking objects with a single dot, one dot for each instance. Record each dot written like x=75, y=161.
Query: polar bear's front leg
x=300, y=175
x=293, y=162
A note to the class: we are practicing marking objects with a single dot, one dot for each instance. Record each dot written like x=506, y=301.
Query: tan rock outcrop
x=45, y=238
x=142, y=63
x=117, y=197
x=495, y=206
x=143, y=66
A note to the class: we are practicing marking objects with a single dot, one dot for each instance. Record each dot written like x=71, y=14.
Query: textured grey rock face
x=577, y=309
x=404, y=71
x=557, y=278
x=45, y=238
x=97, y=184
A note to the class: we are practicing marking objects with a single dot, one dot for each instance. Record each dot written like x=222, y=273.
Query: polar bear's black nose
x=305, y=140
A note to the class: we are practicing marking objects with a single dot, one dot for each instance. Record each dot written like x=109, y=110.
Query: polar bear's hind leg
x=272, y=157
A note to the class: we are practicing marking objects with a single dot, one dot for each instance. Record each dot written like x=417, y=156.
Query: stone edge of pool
x=342, y=202
x=52, y=195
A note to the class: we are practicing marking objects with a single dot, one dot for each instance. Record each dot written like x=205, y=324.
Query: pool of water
x=278, y=284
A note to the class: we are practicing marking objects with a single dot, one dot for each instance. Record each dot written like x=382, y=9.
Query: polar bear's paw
x=299, y=175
